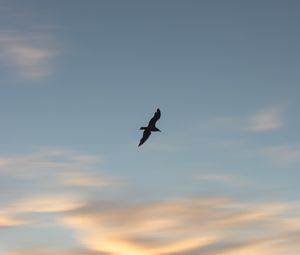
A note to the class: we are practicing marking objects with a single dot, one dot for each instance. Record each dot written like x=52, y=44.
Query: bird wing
x=146, y=135
x=154, y=118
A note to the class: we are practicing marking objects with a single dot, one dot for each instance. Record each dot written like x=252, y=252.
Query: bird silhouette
x=151, y=127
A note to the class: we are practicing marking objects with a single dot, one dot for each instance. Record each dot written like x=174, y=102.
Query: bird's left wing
x=155, y=118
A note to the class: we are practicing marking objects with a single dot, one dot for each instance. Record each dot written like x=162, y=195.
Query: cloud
x=28, y=46
x=51, y=205
x=43, y=204
x=53, y=251
x=54, y=167
x=132, y=230
x=221, y=178
x=30, y=55
x=265, y=119
x=83, y=179
x=36, y=189
x=283, y=154
x=32, y=63
x=16, y=212
x=186, y=226
x=47, y=162
x=47, y=181
x=9, y=221
x=269, y=118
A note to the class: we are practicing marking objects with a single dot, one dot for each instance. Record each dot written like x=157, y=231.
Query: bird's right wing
x=146, y=135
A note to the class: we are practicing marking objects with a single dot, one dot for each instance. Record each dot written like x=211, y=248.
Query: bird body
x=151, y=127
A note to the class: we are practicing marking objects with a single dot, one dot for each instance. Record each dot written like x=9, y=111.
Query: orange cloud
x=9, y=221
x=184, y=226
x=52, y=252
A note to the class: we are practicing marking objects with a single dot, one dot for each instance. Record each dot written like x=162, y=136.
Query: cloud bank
x=200, y=226
x=54, y=190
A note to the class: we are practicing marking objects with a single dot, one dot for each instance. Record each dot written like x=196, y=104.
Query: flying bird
x=151, y=127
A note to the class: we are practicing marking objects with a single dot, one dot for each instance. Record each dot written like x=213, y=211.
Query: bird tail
x=142, y=128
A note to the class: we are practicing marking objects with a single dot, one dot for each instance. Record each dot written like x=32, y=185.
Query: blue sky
x=77, y=81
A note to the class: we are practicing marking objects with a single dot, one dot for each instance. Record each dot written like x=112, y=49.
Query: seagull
x=151, y=127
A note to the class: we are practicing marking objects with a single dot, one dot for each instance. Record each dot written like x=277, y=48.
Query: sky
x=79, y=78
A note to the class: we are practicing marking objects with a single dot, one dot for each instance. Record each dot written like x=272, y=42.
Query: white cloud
x=283, y=154
x=84, y=179
x=265, y=119
x=43, y=203
x=32, y=63
x=40, y=187
x=269, y=118
x=29, y=55
x=51, y=173
x=221, y=178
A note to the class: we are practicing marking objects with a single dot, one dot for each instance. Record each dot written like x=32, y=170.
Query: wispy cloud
x=220, y=178
x=269, y=118
x=55, y=174
x=199, y=225
x=185, y=226
x=84, y=179
x=283, y=154
x=43, y=204
x=45, y=251
x=56, y=164
x=15, y=213
x=44, y=185
x=51, y=161
x=265, y=119
x=28, y=45
x=9, y=221
x=204, y=225
x=30, y=55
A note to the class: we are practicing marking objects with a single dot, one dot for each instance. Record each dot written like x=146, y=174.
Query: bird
x=151, y=127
